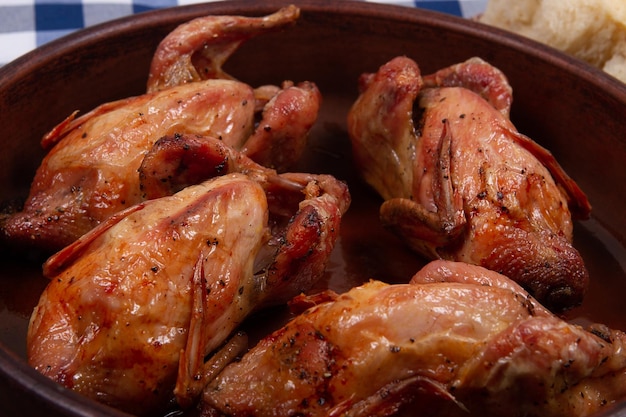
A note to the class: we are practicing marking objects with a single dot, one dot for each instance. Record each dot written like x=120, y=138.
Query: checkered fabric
x=27, y=24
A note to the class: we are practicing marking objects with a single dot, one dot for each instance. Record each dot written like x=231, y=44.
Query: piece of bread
x=592, y=30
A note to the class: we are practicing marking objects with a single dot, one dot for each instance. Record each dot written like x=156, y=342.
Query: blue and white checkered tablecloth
x=27, y=24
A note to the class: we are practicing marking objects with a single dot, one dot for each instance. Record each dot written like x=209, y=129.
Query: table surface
x=27, y=24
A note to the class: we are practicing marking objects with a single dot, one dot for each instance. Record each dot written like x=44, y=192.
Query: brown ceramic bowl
x=577, y=112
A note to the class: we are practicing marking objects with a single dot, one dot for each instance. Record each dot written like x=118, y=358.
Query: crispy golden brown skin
x=460, y=183
x=459, y=340
x=135, y=305
x=196, y=50
x=90, y=171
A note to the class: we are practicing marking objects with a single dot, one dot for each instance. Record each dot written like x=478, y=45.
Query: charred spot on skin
x=602, y=332
x=219, y=168
x=525, y=302
x=313, y=220
x=65, y=379
x=155, y=269
x=394, y=349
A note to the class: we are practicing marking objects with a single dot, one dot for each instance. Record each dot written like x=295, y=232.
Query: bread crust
x=591, y=30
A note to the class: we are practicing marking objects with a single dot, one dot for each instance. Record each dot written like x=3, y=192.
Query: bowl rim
x=173, y=15
x=51, y=395
x=69, y=403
